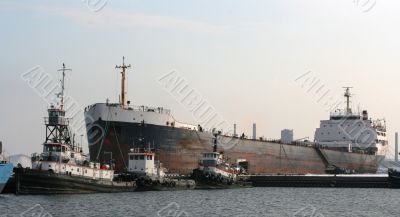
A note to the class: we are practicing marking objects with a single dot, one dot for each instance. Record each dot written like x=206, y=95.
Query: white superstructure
x=142, y=114
x=124, y=112
x=213, y=164
x=142, y=162
x=73, y=162
x=351, y=131
x=60, y=155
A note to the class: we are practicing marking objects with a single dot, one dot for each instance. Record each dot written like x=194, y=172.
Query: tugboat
x=151, y=176
x=62, y=168
x=394, y=178
x=215, y=172
x=6, y=169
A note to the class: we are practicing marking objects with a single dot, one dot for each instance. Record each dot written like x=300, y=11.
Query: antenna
x=347, y=95
x=64, y=69
x=215, y=142
x=123, y=91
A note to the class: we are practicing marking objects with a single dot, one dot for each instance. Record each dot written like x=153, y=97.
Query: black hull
x=2, y=185
x=319, y=181
x=120, y=137
x=166, y=185
x=394, y=178
x=203, y=182
x=181, y=149
x=10, y=186
x=43, y=182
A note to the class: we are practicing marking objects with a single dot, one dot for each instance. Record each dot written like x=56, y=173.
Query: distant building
x=287, y=136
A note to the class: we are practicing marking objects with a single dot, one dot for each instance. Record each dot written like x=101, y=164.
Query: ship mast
x=215, y=140
x=215, y=143
x=63, y=69
x=123, y=88
x=56, y=123
x=347, y=95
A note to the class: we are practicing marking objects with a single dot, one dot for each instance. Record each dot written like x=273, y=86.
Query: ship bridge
x=352, y=131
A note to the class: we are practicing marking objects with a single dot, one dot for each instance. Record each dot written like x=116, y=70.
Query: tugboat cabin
x=52, y=152
x=141, y=162
x=212, y=159
x=56, y=116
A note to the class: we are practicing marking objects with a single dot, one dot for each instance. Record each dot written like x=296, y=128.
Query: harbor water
x=301, y=202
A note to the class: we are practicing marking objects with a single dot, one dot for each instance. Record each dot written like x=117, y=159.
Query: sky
x=248, y=59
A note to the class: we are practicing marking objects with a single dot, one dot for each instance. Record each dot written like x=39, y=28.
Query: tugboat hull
x=394, y=178
x=204, y=182
x=144, y=184
x=44, y=182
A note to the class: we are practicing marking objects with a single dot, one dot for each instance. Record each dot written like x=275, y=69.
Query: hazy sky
x=243, y=57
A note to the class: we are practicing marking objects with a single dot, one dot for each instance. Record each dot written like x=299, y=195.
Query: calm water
x=304, y=202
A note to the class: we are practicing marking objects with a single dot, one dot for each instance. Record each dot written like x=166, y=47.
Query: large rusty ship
x=347, y=142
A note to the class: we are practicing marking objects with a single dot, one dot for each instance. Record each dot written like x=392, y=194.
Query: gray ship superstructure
x=353, y=131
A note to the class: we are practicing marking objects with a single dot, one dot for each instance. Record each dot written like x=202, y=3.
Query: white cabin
x=213, y=163
x=72, y=162
x=211, y=159
x=142, y=162
x=352, y=132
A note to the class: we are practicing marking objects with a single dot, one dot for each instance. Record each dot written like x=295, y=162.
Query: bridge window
x=130, y=157
x=141, y=157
